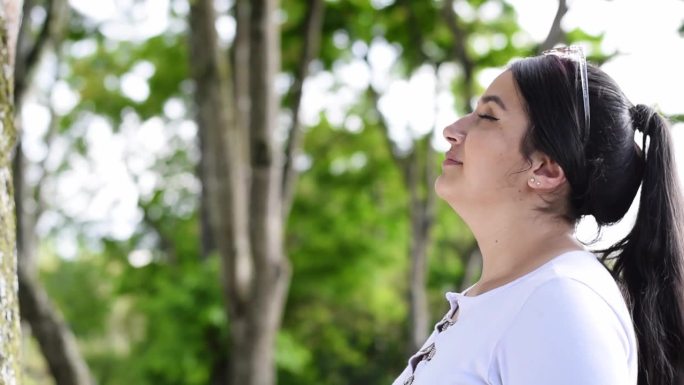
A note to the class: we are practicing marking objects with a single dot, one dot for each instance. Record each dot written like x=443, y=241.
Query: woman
x=552, y=140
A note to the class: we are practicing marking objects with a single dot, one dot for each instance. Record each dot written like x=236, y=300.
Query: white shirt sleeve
x=564, y=334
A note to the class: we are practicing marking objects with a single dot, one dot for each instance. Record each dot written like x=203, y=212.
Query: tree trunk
x=420, y=185
x=242, y=178
x=223, y=165
x=313, y=23
x=55, y=339
x=10, y=341
x=272, y=269
x=240, y=64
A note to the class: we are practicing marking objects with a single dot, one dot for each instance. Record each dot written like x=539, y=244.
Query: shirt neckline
x=456, y=298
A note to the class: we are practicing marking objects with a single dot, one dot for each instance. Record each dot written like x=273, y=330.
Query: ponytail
x=604, y=174
x=649, y=262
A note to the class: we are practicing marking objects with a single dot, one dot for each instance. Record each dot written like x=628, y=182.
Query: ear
x=545, y=174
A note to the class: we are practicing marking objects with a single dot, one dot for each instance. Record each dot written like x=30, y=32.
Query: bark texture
x=272, y=270
x=10, y=334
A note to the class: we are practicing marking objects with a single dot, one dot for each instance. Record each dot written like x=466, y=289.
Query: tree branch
x=313, y=23
x=555, y=34
x=224, y=172
x=402, y=163
x=460, y=52
x=22, y=51
x=265, y=195
x=27, y=58
x=241, y=67
x=26, y=232
x=31, y=57
x=55, y=339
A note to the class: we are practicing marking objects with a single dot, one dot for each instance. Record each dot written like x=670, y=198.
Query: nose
x=456, y=132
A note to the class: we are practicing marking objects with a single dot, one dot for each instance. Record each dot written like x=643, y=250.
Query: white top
x=565, y=323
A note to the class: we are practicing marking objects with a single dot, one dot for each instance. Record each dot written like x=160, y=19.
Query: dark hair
x=604, y=168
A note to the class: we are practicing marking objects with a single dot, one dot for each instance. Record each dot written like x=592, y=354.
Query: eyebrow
x=495, y=99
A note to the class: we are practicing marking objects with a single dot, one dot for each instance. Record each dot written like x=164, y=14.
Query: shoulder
x=575, y=281
x=576, y=293
x=566, y=303
x=568, y=330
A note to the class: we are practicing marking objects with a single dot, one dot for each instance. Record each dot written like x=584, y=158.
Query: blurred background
x=239, y=191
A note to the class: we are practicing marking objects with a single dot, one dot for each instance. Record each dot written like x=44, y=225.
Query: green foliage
x=151, y=313
x=97, y=76
x=348, y=254
x=79, y=291
x=164, y=323
x=176, y=310
x=184, y=319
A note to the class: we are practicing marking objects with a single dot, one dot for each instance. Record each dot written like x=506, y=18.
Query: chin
x=444, y=188
x=440, y=186
x=450, y=192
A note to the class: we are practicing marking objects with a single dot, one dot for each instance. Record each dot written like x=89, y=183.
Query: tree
x=9, y=307
x=246, y=183
x=56, y=340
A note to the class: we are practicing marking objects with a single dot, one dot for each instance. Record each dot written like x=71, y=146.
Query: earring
x=535, y=182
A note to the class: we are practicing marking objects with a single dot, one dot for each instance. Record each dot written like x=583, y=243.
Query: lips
x=452, y=160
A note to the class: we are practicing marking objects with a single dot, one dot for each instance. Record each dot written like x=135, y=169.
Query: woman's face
x=484, y=165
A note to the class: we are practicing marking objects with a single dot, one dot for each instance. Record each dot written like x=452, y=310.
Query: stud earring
x=535, y=182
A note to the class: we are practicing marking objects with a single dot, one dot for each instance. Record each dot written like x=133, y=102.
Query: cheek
x=492, y=159
x=484, y=150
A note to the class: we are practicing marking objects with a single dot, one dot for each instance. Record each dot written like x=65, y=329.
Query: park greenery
x=144, y=295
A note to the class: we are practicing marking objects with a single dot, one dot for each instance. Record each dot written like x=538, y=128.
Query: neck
x=514, y=245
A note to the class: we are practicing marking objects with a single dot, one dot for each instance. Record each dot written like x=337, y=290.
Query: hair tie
x=641, y=115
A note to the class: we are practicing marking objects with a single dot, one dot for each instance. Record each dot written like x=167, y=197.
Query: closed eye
x=487, y=117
